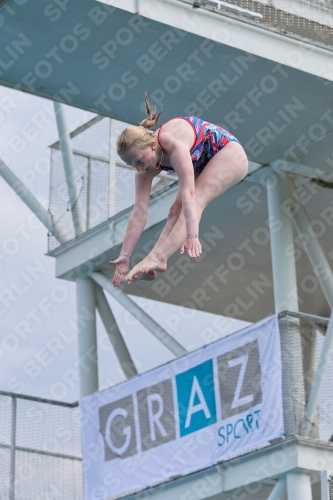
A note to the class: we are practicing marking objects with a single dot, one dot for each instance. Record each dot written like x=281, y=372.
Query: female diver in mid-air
x=207, y=159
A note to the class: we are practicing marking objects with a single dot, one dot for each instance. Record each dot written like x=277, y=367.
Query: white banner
x=190, y=414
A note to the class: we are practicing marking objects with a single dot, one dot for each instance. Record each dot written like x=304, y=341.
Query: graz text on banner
x=190, y=414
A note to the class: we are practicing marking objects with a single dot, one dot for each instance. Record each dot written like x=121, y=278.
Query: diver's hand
x=193, y=247
x=122, y=266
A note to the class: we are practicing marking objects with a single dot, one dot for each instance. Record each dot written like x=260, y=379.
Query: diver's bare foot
x=151, y=275
x=146, y=267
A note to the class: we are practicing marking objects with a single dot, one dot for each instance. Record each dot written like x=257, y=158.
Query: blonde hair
x=139, y=136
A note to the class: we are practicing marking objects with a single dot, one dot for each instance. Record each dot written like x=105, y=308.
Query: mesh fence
x=44, y=477
x=105, y=186
x=302, y=338
x=5, y=419
x=308, y=19
x=40, y=419
x=40, y=450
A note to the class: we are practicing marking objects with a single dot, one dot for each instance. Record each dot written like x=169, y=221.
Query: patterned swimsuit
x=208, y=140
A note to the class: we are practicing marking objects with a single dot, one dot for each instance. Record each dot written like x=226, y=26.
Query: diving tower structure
x=263, y=69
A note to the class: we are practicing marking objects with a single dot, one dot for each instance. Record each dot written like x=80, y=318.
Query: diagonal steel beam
x=114, y=334
x=279, y=490
x=318, y=380
x=68, y=160
x=164, y=337
x=35, y=206
x=313, y=248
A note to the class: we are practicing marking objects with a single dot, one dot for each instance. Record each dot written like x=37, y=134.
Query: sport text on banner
x=196, y=411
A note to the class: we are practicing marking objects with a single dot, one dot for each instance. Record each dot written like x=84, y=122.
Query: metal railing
x=310, y=20
x=40, y=449
x=105, y=184
x=302, y=337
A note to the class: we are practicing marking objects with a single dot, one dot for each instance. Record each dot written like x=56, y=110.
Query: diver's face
x=143, y=160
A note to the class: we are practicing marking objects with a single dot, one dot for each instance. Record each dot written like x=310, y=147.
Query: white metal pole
x=318, y=380
x=88, y=210
x=285, y=283
x=87, y=340
x=326, y=485
x=13, y=449
x=309, y=356
x=112, y=167
x=279, y=490
x=28, y=198
x=114, y=334
x=148, y=322
x=67, y=156
x=314, y=250
x=299, y=486
x=281, y=231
